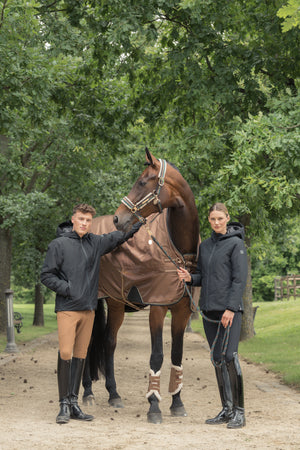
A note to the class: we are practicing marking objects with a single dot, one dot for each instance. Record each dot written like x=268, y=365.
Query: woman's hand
x=227, y=318
x=184, y=275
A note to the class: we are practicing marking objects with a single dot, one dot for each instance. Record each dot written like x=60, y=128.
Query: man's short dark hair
x=84, y=208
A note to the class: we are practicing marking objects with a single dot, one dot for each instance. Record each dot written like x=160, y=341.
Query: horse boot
x=153, y=395
x=63, y=379
x=223, y=382
x=177, y=408
x=77, y=367
x=236, y=380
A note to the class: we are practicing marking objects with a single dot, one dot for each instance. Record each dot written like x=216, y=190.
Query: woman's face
x=218, y=221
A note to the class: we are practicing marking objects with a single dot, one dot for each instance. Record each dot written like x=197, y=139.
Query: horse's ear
x=149, y=156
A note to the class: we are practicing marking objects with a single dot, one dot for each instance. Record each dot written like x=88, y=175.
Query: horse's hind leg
x=115, y=319
x=156, y=321
x=180, y=316
x=94, y=363
x=88, y=396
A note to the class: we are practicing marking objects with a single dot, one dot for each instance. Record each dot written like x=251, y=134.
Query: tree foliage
x=55, y=122
x=278, y=256
x=210, y=85
x=291, y=15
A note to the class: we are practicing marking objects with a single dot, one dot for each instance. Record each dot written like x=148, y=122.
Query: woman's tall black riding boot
x=225, y=394
x=77, y=367
x=63, y=379
x=236, y=380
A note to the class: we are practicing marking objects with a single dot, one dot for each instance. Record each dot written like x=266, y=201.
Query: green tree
x=198, y=71
x=41, y=160
x=291, y=15
x=61, y=124
x=195, y=77
x=280, y=256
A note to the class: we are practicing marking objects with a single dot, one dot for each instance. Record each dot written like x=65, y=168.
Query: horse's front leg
x=180, y=316
x=115, y=319
x=156, y=322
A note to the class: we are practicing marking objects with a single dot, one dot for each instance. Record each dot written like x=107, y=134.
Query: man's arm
x=50, y=274
x=110, y=241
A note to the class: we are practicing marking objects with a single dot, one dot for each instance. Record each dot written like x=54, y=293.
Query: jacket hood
x=63, y=228
x=233, y=229
x=66, y=229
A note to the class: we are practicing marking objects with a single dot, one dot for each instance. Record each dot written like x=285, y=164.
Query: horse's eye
x=142, y=183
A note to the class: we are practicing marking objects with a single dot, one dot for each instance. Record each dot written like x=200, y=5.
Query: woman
x=222, y=273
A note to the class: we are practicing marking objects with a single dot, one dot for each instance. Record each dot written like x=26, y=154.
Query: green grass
x=277, y=339
x=29, y=332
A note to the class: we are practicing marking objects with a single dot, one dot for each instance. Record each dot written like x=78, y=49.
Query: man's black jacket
x=71, y=267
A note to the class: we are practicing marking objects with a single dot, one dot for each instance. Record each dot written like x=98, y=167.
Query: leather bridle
x=151, y=197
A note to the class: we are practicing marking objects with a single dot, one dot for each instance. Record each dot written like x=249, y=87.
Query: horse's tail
x=96, y=350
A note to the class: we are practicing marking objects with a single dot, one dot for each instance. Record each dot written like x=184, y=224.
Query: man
x=71, y=269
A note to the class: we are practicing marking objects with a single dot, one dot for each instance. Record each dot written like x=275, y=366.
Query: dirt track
x=28, y=401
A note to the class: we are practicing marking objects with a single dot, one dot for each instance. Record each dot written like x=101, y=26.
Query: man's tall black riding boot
x=77, y=367
x=225, y=394
x=63, y=379
x=236, y=380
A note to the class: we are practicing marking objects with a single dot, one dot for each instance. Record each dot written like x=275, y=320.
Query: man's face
x=82, y=223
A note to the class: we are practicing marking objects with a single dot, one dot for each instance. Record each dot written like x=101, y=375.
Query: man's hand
x=136, y=227
x=133, y=230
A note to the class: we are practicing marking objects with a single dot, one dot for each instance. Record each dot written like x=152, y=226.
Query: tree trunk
x=38, y=319
x=247, y=331
x=5, y=271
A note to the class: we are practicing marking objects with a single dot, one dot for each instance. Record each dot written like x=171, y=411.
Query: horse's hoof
x=88, y=400
x=154, y=418
x=178, y=412
x=116, y=403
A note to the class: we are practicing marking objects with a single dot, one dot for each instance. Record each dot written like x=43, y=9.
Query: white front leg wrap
x=176, y=377
x=154, y=385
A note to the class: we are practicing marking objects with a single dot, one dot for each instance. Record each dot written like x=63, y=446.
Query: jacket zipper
x=208, y=268
x=86, y=258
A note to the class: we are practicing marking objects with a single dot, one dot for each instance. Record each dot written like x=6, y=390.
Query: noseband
x=151, y=197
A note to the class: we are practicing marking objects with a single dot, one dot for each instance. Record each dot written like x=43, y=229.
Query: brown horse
x=160, y=186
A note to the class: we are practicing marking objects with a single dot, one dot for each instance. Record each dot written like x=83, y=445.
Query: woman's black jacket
x=71, y=267
x=222, y=270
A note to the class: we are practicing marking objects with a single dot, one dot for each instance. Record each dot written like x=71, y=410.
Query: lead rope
x=134, y=209
x=224, y=341
x=227, y=330
x=153, y=238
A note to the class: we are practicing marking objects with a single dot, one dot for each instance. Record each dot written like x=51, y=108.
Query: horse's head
x=147, y=196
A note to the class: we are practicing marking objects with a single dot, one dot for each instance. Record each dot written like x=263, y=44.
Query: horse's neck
x=183, y=221
x=183, y=227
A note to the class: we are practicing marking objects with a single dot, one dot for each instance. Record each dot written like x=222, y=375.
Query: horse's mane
x=169, y=162
x=173, y=165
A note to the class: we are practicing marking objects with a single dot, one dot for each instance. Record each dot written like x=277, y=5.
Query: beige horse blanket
x=138, y=272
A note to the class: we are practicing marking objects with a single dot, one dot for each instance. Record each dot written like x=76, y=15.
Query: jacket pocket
x=68, y=290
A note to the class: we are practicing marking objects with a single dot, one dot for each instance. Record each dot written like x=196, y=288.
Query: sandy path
x=28, y=401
